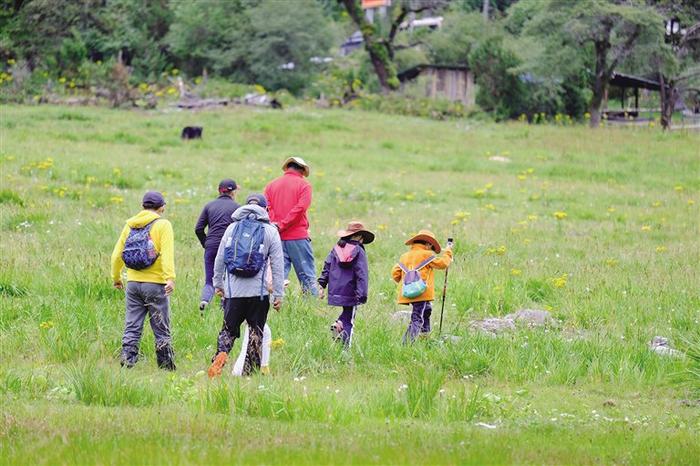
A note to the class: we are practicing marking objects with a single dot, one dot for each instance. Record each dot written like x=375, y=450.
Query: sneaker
x=202, y=305
x=217, y=365
x=336, y=329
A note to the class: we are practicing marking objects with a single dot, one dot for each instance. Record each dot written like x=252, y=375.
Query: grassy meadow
x=600, y=228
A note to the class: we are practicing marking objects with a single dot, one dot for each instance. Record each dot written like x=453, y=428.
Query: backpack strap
x=403, y=267
x=425, y=262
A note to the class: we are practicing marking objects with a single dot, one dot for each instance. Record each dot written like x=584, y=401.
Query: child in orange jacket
x=423, y=259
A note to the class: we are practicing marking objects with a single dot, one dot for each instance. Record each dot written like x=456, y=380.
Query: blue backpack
x=139, y=251
x=413, y=284
x=244, y=256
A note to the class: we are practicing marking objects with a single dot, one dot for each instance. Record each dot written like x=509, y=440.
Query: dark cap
x=227, y=185
x=153, y=200
x=256, y=198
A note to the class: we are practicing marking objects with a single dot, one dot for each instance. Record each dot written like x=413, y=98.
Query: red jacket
x=288, y=198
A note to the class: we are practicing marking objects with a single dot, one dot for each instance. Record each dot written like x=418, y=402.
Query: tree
x=609, y=30
x=286, y=36
x=379, y=36
x=216, y=37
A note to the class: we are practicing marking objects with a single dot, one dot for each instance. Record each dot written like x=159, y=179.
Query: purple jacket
x=345, y=273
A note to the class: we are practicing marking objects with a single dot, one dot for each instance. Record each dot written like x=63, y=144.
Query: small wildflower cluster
x=560, y=281
x=46, y=325
x=560, y=215
x=32, y=167
x=460, y=217
x=496, y=251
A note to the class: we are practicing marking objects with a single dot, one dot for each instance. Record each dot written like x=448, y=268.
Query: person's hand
x=169, y=287
x=321, y=293
x=277, y=304
x=118, y=284
x=219, y=292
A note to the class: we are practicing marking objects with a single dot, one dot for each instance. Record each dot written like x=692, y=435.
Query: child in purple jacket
x=346, y=276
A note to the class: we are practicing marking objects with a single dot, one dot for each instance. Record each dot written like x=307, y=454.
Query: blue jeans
x=208, y=289
x=298, y=252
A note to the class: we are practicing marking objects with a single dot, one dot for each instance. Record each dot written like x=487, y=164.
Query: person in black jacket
x=215, y=217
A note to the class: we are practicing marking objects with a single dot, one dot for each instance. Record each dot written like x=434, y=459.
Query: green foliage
x=287, y=32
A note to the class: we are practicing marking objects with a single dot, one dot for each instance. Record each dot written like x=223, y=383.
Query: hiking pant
x=208, y=289
x=253, y=310
x=347, y=318
x=420, y=320
x=265, y=355
x=147, y=299
x=298, y=253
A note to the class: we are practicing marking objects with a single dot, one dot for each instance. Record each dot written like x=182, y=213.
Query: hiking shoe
x=217, y=365
x=202, y=305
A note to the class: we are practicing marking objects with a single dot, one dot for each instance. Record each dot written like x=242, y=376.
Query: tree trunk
x=668, y=93
x=379, y=53
x=600, y=85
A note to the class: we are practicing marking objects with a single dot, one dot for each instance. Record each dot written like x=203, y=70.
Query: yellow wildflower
x=479, y=193
x=678, y=188
x=490, y=207
x=277, y=343
x=691, y=202
x=46, y=325
x=646, y=228
x=516, y=272
x=611, y=262
x=560, y=282
x=116, y=199
x=656, y=204
x=661, y=249
x=532, y=217
x=522, y=177
x=611, y=209
x=488, y=186
x=559, y=215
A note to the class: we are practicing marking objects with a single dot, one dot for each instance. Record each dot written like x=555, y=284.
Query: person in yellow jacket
x=146, y=249
x=423, y=259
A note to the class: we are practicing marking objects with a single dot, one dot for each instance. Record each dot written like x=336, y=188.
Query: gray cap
x=153, y=200
x=256, y=198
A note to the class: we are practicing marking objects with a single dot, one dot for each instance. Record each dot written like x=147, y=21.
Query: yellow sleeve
x=443, y=261
x=167, y=251
x=117, y=261
x=396, y=273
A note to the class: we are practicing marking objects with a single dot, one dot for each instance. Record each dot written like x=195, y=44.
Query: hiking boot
x=164, y=358
x=217, y=365
x=126, y=363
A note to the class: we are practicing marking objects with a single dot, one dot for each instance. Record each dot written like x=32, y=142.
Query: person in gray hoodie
x=247, y=298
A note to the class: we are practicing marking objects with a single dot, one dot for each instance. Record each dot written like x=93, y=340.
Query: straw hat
x=298, y=161
x=427, y=236
x=357, y=228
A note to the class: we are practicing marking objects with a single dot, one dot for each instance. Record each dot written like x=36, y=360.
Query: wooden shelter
x=450, y=82
x=625, y=82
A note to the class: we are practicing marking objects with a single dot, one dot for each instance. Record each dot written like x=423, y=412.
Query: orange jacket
x=417, y=254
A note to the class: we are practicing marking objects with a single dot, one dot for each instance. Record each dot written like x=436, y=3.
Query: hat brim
x=367, y=236
x=298, y=162
x=428, y=239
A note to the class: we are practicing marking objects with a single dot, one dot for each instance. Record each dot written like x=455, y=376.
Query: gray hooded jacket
x=241, y=287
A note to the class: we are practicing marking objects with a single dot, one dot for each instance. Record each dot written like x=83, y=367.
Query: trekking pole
x=444, y=290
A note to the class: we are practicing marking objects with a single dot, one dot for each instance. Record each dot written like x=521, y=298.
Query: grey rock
x=531, y=317
x=661, y=346
x=492, y=325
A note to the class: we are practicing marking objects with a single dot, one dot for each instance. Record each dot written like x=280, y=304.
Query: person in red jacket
x=288, y=198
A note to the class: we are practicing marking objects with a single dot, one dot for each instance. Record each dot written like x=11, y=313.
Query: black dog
x=192, y=132
x=276, y=104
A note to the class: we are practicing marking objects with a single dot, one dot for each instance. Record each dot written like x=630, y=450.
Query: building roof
x=412, y=73
x=627, y=80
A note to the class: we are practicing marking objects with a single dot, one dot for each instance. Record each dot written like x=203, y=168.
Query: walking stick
x=444, y=291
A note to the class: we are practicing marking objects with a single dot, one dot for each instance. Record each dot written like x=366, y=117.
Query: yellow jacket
x=163, y=269
x=411, y=259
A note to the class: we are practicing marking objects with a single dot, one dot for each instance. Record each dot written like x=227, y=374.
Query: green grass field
x=598, y=227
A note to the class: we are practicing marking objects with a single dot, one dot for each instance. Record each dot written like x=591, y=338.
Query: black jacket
x=217, y=216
